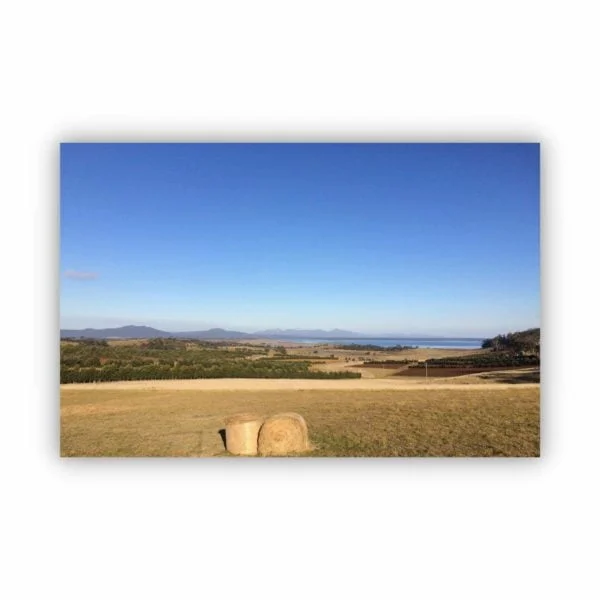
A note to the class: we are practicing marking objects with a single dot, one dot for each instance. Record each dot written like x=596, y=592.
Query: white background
x=396, y=71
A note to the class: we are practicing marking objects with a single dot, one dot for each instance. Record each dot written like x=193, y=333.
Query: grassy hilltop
x=418, y=422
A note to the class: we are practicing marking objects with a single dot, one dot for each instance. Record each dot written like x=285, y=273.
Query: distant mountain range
x=141, y=331
x=144, y=332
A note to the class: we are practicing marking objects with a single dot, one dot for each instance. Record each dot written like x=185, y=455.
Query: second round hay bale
x=241, y=434
x=285, y=433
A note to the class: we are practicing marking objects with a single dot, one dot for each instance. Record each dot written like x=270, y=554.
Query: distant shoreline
x=366, y=339
x=419, y=342
x=383, y=342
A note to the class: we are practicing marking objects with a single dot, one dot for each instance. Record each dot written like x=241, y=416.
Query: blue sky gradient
x=436, y=239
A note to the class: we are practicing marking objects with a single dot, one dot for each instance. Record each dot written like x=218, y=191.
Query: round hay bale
x=285, y=433
x=241, y=434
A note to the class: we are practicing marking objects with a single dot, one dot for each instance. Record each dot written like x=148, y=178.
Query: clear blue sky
x=439, y=239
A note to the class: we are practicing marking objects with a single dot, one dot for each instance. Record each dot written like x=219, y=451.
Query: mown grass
x=446, y=422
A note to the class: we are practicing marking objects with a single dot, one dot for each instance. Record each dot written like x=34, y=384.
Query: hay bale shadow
x=223, y=435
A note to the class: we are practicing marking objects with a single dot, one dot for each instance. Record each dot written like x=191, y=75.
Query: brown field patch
x=475, y=420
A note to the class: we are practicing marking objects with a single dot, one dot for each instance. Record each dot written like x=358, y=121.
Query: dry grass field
x=453, y=420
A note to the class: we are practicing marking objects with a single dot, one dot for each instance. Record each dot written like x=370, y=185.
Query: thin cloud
x=82, y=275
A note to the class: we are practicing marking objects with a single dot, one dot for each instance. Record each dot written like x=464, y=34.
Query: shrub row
x=373, y=347
x=122, y=373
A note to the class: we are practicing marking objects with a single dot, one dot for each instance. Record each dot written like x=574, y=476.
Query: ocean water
x=464, y=343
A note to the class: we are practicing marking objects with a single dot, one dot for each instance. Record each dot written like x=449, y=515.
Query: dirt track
x=292, y=384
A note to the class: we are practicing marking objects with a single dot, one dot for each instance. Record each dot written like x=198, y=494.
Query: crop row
x=485, y=361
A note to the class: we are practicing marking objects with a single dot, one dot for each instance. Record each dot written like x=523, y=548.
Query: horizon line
x=291, y=331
